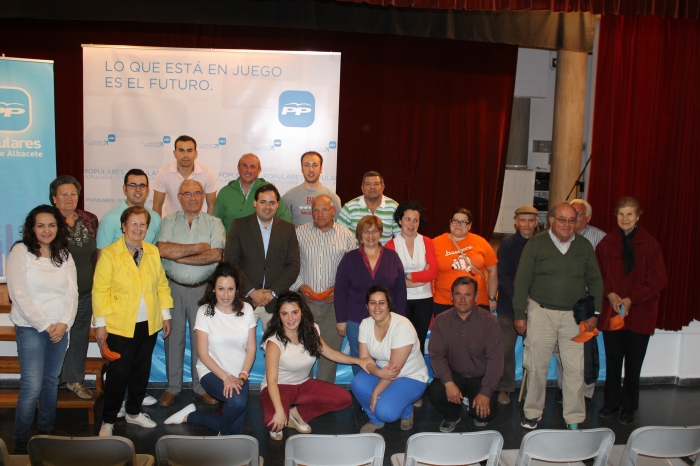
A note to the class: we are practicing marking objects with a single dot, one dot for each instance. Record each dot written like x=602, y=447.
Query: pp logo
x=297, y=108
x=222, y=141
x=15, y=109
x=111, y=138
x=277, y=143
x=332, y=145
x=166, y=139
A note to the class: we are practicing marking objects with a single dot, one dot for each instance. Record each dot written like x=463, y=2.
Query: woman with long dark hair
x=42, y=283
x=225, y=328
x=292, y=343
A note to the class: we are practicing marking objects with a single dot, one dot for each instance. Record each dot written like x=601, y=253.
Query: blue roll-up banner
x=27, y=142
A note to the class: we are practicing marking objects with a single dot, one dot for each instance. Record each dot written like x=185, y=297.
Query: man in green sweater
x=235, y=200
x=557, y=268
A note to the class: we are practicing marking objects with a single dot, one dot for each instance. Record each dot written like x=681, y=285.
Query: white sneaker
x=106, y=430
x=122, y=412
x=148, y=400
x=143, y=420
x=179, y=416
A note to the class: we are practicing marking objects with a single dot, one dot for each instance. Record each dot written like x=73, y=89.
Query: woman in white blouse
x=292, y=342
x=399, y=377
x=43, y=287
x=225, y=328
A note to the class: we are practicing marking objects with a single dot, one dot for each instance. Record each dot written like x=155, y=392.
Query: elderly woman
x=41, y=282
x=399, y=377
x=417, y=255
x=634, y=274
x=82, y=233
x=131, y=303
x=225, y=328
x=371, y=264
x=463, y=254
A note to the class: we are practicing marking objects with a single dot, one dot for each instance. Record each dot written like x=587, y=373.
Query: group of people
x=315, y=272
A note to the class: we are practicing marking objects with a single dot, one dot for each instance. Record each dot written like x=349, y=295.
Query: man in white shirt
x=185, y=167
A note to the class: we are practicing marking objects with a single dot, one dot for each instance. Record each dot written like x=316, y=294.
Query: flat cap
x=526, y=209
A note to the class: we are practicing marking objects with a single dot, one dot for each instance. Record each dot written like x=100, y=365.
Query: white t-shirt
x=228, y=338
x=295, y=362
x=168, y=181
x=401, y=333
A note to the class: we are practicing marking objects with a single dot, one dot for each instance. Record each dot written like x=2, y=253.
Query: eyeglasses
x=563, y=220
x=188, y=195
x=137, y=224
x=139, y=186
x=580, y=214
x=371, y=232
x=464, y=223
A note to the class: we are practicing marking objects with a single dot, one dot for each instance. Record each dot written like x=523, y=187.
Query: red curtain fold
x=646, y=143
x=431, y=115
x=679, y=9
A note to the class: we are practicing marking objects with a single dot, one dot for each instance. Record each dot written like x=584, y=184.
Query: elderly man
x=322, y=243
x=557, y=268
x=235, y=200
x=190, y=243
x=466, y=353
x=584, y=212
x=372, y=202
x=300, y=198
x=185, y=167
x=266, y=250
x=509, y=253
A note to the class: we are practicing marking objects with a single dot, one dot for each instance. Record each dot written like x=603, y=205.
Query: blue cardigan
x=352, y=280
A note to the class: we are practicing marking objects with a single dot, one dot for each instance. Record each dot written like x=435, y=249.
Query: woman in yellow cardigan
x=131, y=303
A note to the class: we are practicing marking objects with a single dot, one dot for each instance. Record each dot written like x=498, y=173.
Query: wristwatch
x=492, y=299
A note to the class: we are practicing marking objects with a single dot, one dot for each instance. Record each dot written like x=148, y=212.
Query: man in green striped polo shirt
x=372, y=202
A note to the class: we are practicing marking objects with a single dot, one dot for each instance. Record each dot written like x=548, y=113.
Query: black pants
x=131, y=370
x=440, y=308
x=419, y=312
x=469, y=387
x=630, y=347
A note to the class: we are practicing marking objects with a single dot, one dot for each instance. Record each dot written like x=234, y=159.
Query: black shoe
x=45, y=432
x=626, y=417
x=560, y=396
x=606, y=412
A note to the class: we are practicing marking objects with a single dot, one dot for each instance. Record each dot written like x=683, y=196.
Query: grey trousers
x=185, y=301
x=510, y=336
x=324, y=316
x=74, y=363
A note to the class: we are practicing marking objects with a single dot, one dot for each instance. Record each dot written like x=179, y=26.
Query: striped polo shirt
x=357, y=208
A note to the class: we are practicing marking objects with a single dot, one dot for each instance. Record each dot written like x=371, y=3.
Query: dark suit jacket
x=278, y=270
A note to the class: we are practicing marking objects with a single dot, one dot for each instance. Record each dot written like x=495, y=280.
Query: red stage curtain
x=679, y=9
x=431, y=115
x=646, y=143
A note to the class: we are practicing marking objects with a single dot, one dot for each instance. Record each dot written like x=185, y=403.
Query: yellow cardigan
x=119, y=284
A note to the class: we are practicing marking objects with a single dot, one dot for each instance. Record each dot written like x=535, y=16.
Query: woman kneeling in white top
x=391, y=340
x=225, y=328
x=296, y=343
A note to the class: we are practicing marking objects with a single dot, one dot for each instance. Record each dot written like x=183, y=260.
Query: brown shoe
x=207, y=398
x=167, y=399
x=504, y=398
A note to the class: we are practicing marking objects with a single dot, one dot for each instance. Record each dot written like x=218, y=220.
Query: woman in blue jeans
x=43, y=287
x=399, y=377
x=225, y=329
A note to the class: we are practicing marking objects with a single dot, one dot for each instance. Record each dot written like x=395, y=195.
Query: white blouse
x=295, y=362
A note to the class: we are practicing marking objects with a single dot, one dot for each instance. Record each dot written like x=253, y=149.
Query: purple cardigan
x=352, y=280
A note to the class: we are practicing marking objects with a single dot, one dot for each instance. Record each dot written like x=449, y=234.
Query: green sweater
x=231, y=203
x=555, y=280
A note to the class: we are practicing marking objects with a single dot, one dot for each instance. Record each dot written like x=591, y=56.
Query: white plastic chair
x=84, y=451
x=658, y=446
x=561, y=446
x=334, y=450
x=451, y=449
x=11, y=460
x=183, y=450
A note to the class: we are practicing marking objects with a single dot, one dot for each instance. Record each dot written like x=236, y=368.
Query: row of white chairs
x=647, y=446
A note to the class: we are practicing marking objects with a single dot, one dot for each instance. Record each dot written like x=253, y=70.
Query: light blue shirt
x=266, y=232
x=110, y=228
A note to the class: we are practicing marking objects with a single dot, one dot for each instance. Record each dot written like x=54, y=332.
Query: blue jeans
x=40, y=363
x=233, y=417
x=395, y=402
x=352, y=333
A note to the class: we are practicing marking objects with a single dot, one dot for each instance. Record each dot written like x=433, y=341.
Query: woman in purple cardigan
x=359, y=270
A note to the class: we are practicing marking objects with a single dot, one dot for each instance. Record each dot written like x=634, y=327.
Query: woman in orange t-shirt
x=481, y=259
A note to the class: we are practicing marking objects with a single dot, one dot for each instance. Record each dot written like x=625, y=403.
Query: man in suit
x=266, y=250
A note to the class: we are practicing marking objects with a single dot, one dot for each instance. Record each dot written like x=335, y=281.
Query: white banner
x=138, y=100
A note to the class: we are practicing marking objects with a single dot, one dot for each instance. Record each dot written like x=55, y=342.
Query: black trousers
x=470, y=387
x=419, y=312
x=131, y=370
x=623, y=346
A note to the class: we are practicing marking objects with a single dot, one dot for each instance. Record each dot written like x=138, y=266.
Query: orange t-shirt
x=451, y=265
